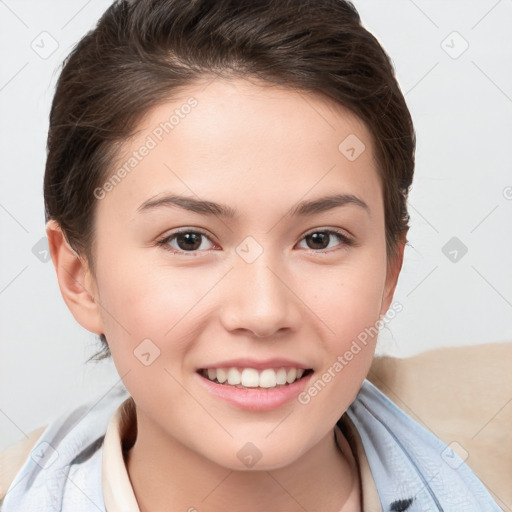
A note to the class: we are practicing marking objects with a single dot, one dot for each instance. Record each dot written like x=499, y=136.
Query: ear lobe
x=75, y=279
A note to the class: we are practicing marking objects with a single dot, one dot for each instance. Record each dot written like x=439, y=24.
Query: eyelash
x=164, y=242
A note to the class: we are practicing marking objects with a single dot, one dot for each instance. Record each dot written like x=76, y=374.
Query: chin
x=256, y=456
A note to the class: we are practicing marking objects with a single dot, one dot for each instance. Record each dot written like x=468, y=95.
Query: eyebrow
x=210, y=208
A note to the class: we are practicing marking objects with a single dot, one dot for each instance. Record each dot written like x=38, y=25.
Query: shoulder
x=13, y=458
x=71, y=442
x=463, y=395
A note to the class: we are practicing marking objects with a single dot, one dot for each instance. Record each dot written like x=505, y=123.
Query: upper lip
x=259, y=365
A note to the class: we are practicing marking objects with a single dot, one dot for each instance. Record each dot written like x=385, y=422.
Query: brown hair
x=141, y=52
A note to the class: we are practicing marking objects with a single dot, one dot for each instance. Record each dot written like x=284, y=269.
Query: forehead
x=245, y=144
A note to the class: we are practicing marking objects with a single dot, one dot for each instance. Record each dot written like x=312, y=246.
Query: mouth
x=266, y=388
x=252, y=378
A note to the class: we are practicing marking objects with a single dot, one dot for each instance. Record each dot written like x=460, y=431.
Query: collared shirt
x=121, y=433
x=77, y=465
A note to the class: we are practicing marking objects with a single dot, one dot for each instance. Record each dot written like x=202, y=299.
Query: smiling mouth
x=250, y=378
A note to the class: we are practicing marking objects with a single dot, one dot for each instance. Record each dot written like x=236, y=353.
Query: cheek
x=141, y=299
x=349, y=305
x=348, y=297
x=348, y=349
x=139, y=302
x=147, y=319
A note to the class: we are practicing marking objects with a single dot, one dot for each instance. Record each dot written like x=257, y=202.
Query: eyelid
x=327, y=229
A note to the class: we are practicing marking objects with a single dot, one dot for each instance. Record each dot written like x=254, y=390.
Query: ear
x=393, y=271
x=76, y=282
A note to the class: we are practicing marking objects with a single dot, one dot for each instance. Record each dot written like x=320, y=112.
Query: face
x=262, y=281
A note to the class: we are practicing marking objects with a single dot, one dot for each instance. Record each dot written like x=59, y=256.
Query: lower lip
x=256, y=399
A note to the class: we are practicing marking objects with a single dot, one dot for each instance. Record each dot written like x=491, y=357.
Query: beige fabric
x=461, y=394
x=115, y=482
x=464, y=396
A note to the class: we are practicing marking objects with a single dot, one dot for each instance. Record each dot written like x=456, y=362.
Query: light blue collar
x=413, y=470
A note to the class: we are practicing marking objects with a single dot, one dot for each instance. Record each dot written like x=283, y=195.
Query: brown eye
x=320, y=240
x=188, y=241
x=184, y=241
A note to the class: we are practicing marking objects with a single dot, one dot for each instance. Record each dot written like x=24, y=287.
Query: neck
x=166, y=474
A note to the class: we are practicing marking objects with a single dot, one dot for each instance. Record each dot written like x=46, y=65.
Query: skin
x=260, y=150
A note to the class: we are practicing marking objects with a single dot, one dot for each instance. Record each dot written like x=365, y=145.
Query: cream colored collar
x=121, y=433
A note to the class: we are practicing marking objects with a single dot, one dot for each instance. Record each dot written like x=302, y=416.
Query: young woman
x=226, y=190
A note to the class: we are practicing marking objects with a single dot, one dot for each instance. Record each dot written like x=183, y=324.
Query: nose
x=259, y=298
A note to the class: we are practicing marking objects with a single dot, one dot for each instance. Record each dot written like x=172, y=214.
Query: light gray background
x=461, y=103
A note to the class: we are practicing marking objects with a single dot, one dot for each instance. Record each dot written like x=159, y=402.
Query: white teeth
x=252, y=378
x=291, y=375
x=268, y=378
x=234, y=376
x=281, y=376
